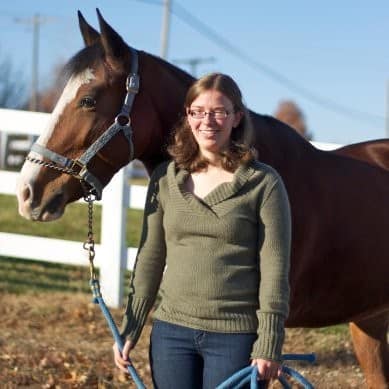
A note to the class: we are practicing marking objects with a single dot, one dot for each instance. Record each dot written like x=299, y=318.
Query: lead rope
x=249, y=375
x=89, y=246
x=237, y=380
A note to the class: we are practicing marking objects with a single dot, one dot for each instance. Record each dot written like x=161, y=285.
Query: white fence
x=112, y=257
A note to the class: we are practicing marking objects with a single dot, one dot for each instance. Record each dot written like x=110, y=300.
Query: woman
x=220, y=222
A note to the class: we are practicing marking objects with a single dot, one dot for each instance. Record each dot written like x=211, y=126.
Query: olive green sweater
x=226, y=257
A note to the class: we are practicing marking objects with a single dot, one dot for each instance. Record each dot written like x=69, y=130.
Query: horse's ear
x=89, y=34
x=116, y=50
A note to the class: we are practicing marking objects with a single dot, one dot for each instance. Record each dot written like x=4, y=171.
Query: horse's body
x=374, y=152
x=340, y=211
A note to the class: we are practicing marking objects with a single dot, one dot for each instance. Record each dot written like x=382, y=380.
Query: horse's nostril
x=55, y=203
x=27, y=193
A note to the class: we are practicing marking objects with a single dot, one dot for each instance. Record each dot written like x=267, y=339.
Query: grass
x=24, y=276
x=72, y=226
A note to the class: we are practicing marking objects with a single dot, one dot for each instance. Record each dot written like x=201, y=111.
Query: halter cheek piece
x=78, y=168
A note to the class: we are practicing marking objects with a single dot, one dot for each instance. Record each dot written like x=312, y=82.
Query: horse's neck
x=278, y=145
x=167, y=96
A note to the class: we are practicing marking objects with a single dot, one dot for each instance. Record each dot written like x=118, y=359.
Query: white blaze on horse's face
x=29, y=172
x=67, y=96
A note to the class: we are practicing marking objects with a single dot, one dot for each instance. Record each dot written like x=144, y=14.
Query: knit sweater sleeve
x=274, y=272
x=150, y=262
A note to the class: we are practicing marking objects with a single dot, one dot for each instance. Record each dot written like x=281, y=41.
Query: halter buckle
x=78, y=168
x=123, y=119
x=132, y=83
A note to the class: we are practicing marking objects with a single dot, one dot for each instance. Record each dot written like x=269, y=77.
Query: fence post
x=113, y=239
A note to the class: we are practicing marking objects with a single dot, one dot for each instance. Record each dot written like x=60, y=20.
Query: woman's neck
x=214, y=160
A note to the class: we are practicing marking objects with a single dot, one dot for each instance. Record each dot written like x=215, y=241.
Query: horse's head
x=88, y=134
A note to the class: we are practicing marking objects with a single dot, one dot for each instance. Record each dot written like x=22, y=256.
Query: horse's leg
x=371, y=348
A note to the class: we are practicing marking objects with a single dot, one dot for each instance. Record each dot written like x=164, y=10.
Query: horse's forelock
x=87, y=57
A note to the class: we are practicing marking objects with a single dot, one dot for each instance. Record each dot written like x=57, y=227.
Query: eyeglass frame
x=210, y=114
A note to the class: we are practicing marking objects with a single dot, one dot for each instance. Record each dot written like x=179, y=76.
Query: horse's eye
x=88, y=102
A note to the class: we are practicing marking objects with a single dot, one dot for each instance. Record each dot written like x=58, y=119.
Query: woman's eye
x=87, y=102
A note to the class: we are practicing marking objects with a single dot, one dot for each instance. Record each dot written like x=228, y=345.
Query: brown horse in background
x=340, y=211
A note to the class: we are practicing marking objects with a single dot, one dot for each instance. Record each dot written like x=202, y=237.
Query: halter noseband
x=78, y=167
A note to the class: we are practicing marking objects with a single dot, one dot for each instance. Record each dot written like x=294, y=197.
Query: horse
x=374, y=152
x=339, y=202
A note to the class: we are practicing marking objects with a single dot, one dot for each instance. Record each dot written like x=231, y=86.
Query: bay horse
x=375, y=152
x=339, y=202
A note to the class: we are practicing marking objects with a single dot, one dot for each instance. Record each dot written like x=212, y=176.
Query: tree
x=47, y=98
x=12, y=87
x=289, y=113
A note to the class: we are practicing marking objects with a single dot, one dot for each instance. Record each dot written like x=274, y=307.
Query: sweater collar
x=221, y=193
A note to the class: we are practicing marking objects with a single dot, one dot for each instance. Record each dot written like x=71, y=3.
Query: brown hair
x=184, y=148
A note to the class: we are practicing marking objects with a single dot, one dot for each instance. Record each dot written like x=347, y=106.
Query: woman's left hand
x=267, y=369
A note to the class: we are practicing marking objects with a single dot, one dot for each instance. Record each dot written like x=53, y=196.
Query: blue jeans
x=184, y=358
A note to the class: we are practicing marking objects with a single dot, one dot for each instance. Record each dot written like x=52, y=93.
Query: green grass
x=20, y=276
x=334, y=330
x=72, y=226
x=25, y=276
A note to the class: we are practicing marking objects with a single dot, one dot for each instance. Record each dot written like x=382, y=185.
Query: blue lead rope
x=98, y=299
x=250, y=375
x=236, y=381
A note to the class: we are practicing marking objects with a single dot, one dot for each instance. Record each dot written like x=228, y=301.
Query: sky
x=329, y=57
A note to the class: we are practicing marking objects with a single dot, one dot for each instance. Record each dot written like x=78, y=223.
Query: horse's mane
x=176, y=72
x=91, y=55
x=265, y=126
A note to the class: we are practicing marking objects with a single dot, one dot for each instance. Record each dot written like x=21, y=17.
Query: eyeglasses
x=217, y=114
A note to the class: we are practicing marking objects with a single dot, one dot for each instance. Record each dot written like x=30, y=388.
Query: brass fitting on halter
x=78, y=168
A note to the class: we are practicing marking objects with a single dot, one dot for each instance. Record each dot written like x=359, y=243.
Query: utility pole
x=194, y=62
x=387, y=111
x=36, y=21
x=165, y=28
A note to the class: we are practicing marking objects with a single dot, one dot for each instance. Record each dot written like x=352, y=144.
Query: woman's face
x=211, y=117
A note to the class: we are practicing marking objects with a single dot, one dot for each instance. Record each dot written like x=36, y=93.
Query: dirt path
x=61, y=341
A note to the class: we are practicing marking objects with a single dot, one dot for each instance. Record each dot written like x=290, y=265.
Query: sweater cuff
x=134, y=318
x=271, y=334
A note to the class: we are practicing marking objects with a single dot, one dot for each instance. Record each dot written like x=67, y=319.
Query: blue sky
x=330, y=57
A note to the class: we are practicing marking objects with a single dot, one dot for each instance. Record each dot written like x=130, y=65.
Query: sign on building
x=14, y=149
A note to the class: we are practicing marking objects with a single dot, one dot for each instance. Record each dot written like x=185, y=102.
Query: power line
x=212, y=35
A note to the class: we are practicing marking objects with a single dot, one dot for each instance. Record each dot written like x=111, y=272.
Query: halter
x=78, y=167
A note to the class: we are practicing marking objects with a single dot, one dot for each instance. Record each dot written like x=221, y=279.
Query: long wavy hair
x=183, y=147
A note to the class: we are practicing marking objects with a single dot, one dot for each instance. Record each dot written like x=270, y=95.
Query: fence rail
x=113, y=257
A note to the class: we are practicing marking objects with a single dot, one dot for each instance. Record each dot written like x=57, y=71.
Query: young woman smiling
x=216, y=244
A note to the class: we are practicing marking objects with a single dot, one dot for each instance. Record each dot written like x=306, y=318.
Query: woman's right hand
x=122, y=360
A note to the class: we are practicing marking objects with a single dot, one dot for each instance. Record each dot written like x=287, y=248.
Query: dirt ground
x=62, y=341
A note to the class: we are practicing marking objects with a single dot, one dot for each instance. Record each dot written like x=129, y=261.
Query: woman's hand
x=267, y=369
x=122, y=360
